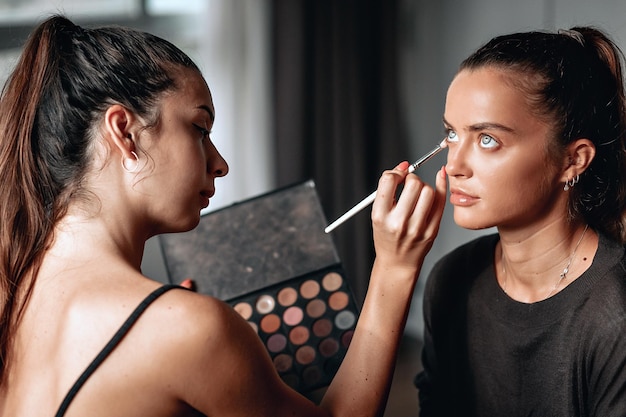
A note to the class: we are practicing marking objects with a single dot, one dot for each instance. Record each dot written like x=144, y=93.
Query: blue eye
x=451, y=136
x=488, y=142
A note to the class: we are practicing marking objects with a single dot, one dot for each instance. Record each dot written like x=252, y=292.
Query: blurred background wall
x=329, y=90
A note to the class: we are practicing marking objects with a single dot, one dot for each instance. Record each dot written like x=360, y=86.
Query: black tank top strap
x=110, y=346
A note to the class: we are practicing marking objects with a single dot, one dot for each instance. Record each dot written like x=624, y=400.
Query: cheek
x=507, y=193
x=191, y=161
x=511, y=187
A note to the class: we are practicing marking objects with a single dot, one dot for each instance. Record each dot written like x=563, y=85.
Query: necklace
x=563, y=274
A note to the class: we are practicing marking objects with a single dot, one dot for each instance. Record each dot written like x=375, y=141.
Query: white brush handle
x=370, y=198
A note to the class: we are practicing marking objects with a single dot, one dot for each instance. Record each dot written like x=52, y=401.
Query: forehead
x=487, y=94
x=192, y=94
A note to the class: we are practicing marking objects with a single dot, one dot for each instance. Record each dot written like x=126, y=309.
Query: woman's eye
x=451, y=136
x=204, y=132
x=488, y=142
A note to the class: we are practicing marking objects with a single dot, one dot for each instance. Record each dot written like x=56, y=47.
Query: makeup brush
x=370, y=198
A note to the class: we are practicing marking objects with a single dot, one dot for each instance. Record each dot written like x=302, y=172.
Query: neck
x=541, y=264
x=81, y=238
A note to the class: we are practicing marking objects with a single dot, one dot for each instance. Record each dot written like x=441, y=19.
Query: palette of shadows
x=270, y=259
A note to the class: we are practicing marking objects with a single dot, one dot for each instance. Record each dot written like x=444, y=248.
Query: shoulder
x=184, y=348
x=190, y=319
x=205, y=350
x=600, y=294
x=606, y=278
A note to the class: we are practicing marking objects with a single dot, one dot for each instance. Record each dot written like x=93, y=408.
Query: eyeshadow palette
x=270, y=259
x=305, y=323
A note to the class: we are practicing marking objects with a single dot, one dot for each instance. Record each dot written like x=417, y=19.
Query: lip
x=205, y=197
x=459, y=197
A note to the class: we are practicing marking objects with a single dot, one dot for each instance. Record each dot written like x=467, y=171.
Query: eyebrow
x=485, y=125
x=208, y=110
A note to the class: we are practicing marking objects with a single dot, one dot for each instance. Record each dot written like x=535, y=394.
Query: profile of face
x=498, y=165
x=184, y=162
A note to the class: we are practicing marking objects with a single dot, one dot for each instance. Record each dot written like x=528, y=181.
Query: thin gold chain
x=563, y=274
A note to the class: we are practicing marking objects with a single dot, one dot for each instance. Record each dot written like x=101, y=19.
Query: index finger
x=387, y=186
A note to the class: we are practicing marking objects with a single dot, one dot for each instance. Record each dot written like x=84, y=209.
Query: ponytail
x=24, y=224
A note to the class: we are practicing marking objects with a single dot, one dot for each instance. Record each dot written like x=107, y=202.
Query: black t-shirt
x=486, y=354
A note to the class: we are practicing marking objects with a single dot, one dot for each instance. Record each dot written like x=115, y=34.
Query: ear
x=578, y=157
x=118, y=124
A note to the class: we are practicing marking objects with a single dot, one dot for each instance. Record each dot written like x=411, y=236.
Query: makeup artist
x=531, y=321
x=105, y=142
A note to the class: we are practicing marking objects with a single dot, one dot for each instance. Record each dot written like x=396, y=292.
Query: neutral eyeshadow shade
x=338, y=300
x=270, y=323
x=287, y=296
x=332, y=281
x=345, y=319
x=254, y=326
x=290, y=379
x=265, y=304
x=322, y=327
x=276, y=342
x=328, y=347
x=316, y=308
x=299, y=335
x=283, y=362
x=310, y=289
x=312, y=374
x=305, y=355
x=244, y=309
x=293, y=315
x=346, y=338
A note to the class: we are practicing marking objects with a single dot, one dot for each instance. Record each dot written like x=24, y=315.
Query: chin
x=193, y=223
x=182, y=225
x=472, y=222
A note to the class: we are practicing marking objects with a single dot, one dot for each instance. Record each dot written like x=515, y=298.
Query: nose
x=457, y=164
x=216, y=164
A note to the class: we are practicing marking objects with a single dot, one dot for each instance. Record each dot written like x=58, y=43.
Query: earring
x=134, y=163
x=570, y=183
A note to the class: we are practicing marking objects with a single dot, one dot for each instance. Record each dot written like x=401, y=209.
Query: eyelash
x=492, y=138
x=449, y=132
x=205, y=133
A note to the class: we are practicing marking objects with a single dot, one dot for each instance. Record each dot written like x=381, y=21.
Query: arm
x=403, y=235
x=229, y=371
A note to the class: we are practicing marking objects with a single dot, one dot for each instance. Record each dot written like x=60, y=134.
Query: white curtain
x=229, y=40
x=234, y=55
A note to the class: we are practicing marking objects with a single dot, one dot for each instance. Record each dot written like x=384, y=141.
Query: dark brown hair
x=573, y=79
x=63, y=82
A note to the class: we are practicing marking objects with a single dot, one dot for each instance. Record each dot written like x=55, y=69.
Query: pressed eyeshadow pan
x=309, y=329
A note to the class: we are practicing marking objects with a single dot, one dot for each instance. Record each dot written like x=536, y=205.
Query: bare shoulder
x=195, y=330
x=216, y=361
x=190, y=319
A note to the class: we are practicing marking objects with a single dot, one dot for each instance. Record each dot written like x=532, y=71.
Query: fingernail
x=188, y=283
x=402, y=165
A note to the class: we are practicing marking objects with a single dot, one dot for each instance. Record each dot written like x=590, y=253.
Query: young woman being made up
x=531, y=321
